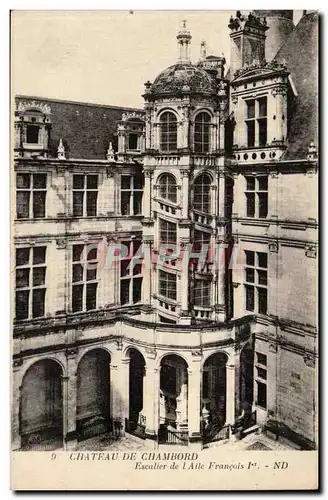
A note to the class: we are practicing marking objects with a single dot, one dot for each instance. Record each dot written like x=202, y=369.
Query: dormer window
x=256, y=122
x=32, y=128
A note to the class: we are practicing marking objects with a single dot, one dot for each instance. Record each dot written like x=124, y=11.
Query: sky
x=106, y=56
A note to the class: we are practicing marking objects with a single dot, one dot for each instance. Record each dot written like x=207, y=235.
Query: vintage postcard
x=164, y=253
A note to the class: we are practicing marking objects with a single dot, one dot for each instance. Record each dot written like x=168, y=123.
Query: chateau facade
x=165, y=259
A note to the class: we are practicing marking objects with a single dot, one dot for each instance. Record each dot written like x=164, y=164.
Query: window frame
x=256, y=124
x=202, y=146
x=132, y=276
x=31, y=191
x=133, y=194
x=169, y=189
x=255, y=208
x=30, y=288
x=168, y=132
x=254, y=286
x=165, y=281
x=86, y=282
x=204, y=205
x=85, y=190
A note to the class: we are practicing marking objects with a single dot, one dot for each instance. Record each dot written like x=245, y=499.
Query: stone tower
x=280, y=24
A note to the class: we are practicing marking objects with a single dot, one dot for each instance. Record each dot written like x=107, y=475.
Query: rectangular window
x=256, y=281
x=31, y=190
x=30, y=282
x=84, y=278
x=167, y=286
x=261, y=394
x=85, y=195
x=167, y=232
x=202, y=293
x=261, y=359
x=256, y=122
x=131, y=274
x=133, y=142
x=32, y=134
x=256, y=194
x=131, y=194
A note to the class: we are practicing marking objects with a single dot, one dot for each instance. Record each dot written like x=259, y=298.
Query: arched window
x=168, y=187
x=202, y=193
x=168, y=129
x=202, y=133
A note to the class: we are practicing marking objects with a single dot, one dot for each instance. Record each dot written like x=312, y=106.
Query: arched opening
x=202, y=197
x=202, y=133
x=168, y=132
x=136, y=390
x=93, y=394
x=41, y=406
x=168, y=187
x=213, y=402
x=173, y=400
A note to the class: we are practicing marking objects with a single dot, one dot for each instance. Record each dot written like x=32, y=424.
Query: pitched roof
x=86, y=129
x=300, y=52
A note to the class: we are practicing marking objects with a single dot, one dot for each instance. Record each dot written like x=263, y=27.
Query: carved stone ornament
x=196, y=352
x=29, y=105
x=61, y=244
x=273, y=246
x=71, y=352
x=279, y=90
x=133, y=115
x=309, y=360
x=274, y=174
x=311, y=251
x=151, y=352
x=119, y=344
x=272, y=347
x=234, y=99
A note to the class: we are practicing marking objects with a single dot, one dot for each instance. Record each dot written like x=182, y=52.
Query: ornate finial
x=61, y=150
x=110, y=153
x=183, y=38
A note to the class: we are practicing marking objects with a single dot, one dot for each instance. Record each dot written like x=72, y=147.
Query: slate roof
x=86, y=129
x=300, y=52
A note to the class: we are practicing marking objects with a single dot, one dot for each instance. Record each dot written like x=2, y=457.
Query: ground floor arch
x=173, y=396
x=41, y=406
x=93, y=412
x=214, y=395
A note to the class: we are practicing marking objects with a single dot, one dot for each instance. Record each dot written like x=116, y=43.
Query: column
x=185, y=194
x=70, y=401
x=230, y=392
x=194, y=399
x=237, y=383
x=214, y=207
x=147, y=193
x=65, y=408
x=146, y=281
x=183, y=285
x=151, y=397
x=15, y=406
x=182, y=399
x=120, y=389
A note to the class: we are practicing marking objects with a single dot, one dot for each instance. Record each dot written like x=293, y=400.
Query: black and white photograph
x=164, y=236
